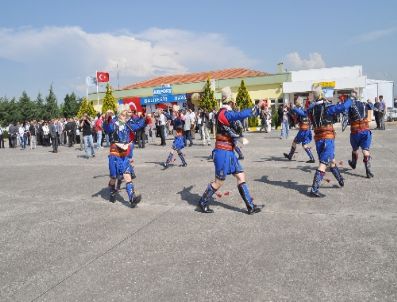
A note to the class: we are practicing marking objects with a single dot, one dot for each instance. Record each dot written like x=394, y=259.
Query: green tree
x=39, y=108
x=243, y=101
x=26, y=107
x=86, y=107
x=207, y=100
x=70, y=106
x=4, y=111
x=14, y=114
x=51, y=106
x=109, y=101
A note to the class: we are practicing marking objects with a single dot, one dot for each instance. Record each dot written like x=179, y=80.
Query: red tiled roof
x=198, y=77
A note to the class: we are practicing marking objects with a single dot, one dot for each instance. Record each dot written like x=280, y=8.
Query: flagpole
x=97, y=88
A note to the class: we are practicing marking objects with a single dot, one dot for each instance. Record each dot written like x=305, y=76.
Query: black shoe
x=165, y=165
x=184, y=165
x=369, y=174
x=315, y=194
x=341, y=182
x=241, y=158
x=205, y=209
x=353, y=166
x=135, y=200
x=253, y=210
x=287, y=156
x=311, y=161
x=112, y=197
x=133, y=176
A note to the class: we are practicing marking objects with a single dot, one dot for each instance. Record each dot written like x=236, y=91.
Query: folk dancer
x=121, y=152
x=360, y=135
x=225, y=160
x=177, y=146
x=304, y=135
x=322, y=113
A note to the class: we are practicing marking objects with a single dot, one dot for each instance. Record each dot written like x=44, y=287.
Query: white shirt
x=162, y=120
x=21, y=130
x=188, y=122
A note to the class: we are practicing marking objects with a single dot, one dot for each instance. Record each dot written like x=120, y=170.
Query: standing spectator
x=79, y=133
x=33, y=129
x=200, y=123
x=64, y=136
x=187, y=128
x=161, y=123
x=1, y=138
x=284, y=122
x=22, y=137
x=70, y=129
x=59, y=128
x=212, y=118
x=279, y=116
x=99, y=130
x=193, y=120
x=149, y=129
x=376, y=112
x=54, y=135
x=140, y=133
x=205, y=124
x=46, y=134
x=382, y=113
x=39, y=133
x=87, y=136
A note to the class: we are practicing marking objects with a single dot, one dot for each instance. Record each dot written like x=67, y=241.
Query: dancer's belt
x=224, y=142
x=324, y=132
x=359, y=126
x=304, y=126
x=119, y=150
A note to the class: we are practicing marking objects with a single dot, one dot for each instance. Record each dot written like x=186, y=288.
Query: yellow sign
x=326, y=84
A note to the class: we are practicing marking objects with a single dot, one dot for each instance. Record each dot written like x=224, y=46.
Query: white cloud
x=293, y=61
x=374, y=35
x=66, y=55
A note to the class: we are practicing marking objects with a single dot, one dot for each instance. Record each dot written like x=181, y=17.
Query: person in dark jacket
x=54, y=135
x=70, y=129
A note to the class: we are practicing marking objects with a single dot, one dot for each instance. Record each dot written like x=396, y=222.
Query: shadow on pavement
x=303, y=189
x=306, y=169
x=104, y=194
x=347, y=172
x=272, y=158
x=193, y=200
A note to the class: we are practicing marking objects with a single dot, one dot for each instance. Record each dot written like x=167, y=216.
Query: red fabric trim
x=222, y=118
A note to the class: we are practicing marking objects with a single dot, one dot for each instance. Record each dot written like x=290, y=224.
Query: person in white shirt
x=21, y=133
x=193, y=119
x=162, y=121
x=187, y=128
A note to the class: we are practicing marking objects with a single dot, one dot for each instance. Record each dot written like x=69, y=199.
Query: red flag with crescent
x=102, y=77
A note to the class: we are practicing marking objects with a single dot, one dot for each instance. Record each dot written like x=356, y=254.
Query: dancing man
x=304, y=135
x=177, y=145
x=360, y=135
x=225, y=160
x=322, y=113
x=121, y=152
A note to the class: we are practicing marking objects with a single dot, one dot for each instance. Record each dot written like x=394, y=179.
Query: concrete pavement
x=61, y=240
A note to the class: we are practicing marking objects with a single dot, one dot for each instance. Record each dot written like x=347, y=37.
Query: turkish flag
x=102, y=77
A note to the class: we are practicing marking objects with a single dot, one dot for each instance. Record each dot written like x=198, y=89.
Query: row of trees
x=243, y=100
x=46, y=108
x=208, y=101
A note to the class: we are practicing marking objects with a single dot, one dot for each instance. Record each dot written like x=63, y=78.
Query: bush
x=253, y=122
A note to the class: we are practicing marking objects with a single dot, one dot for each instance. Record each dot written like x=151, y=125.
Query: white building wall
x=375, y=88
x=325, y=74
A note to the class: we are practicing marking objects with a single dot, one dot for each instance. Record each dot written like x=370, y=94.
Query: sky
x=60, y=43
